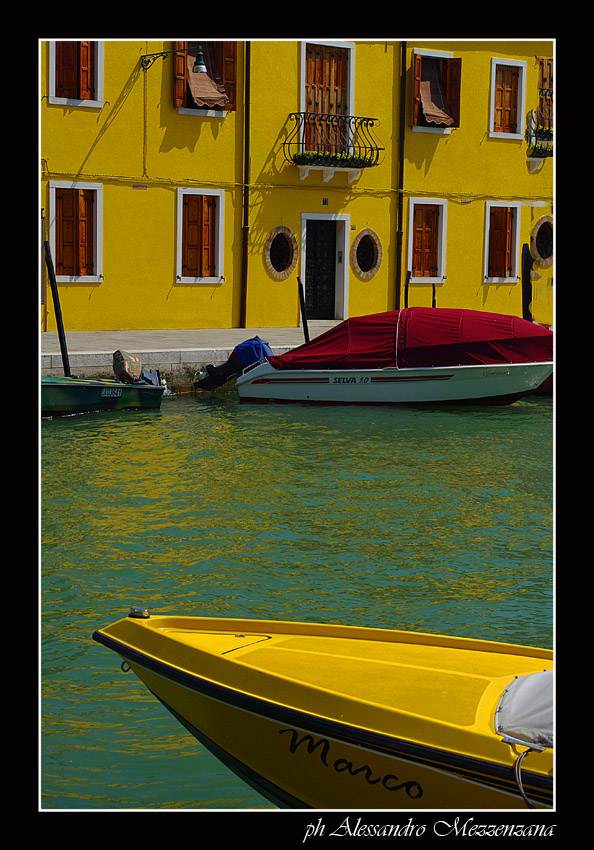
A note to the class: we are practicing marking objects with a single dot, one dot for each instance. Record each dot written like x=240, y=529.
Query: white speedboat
x=415, y=355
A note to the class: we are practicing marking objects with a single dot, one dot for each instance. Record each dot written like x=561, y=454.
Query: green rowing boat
x=67, y=395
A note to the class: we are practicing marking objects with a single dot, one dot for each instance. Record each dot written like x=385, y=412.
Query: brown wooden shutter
x=545, y=100
x=86, y=199
x=425, y=239
x=417, y=107
x=191, y=237
x=453, y=77
x=179, y=75
x=74, y=231
x=86, y=70
x=208, y=235
x=66, y=69
x=66, y=230
x=199, y=227
x=326, y=93
x=506, y=99
x=326, y=78
x=500, y=242
x=227, y=64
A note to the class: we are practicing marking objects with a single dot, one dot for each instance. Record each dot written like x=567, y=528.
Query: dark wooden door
x=320, y=269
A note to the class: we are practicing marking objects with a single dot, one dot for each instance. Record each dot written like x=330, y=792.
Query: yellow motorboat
x=343, y=717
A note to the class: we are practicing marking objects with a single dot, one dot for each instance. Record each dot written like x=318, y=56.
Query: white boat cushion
x=525, y=711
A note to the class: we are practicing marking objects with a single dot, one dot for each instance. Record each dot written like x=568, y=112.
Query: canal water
x=436, y=520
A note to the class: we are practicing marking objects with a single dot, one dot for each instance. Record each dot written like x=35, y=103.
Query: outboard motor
x=246, y=354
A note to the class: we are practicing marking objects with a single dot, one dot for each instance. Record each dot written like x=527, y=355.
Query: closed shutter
x=199, y=225
x=86, y=198
x=326, y=93
x=326, y=78
x=506, y=99
x=86, y=70
x=75, y=70
x=66, y=231
x=425, y=240
x=500, y=242
x=66, y=69
x=208, y=235
x=74, y=232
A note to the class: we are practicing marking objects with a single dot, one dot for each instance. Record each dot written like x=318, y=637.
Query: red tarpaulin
x=427, y=336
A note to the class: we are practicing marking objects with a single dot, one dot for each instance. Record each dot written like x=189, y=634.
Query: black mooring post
x=303, y=311
x=54, y=287
x=527, y=265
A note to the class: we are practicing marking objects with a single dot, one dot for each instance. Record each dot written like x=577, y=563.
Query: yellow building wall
x=278, y=197
x=140, y=149
x=468, y=168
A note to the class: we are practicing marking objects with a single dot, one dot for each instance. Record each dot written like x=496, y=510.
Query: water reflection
x=437, y=520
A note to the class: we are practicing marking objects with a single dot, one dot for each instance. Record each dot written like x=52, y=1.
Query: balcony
x=331, y=143
x=539, y=129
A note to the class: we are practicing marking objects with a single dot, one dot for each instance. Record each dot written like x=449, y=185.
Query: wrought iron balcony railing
x=332, y=141
x=539, y=127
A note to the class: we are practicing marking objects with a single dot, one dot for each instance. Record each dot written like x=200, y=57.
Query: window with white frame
x=76, y=73
x=76, y=231
x=427, y=239
x=199, y=254
x=508, y=99
x=436, y=91
x=327, y=77
x=502, y=242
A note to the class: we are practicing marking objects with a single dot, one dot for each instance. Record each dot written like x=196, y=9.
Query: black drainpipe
x=399, y=234
x=246, y=187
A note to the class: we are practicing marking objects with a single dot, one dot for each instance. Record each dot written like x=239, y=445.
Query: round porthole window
x=366, y=254
x=280, y=253
x=541, y=241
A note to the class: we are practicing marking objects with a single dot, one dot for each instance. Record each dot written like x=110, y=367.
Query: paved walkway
x=180, y=353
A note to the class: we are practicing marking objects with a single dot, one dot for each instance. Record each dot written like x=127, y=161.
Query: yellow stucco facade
x=139, y=155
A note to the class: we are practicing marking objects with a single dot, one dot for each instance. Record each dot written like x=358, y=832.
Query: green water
x=436, y=520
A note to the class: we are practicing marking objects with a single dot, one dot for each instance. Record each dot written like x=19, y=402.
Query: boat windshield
x=524, y=714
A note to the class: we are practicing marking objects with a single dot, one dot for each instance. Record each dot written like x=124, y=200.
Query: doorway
x=325, y=266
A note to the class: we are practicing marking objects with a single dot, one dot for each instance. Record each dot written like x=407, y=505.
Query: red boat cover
x=423, y=336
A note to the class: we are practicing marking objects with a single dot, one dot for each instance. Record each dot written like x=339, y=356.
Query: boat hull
x=243, y=689
x=494, y=384
x=66, y=396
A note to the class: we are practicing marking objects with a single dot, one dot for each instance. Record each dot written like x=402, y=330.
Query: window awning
x=205, y=91
x=433, y=100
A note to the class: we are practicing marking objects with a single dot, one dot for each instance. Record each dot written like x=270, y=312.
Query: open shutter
x=228, y=69
x=86, y=70
x=453, y=76
x=417, y=108
x=179, y=74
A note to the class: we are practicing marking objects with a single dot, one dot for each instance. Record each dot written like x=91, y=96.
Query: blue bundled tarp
x=246, y=354
x=252, y=351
